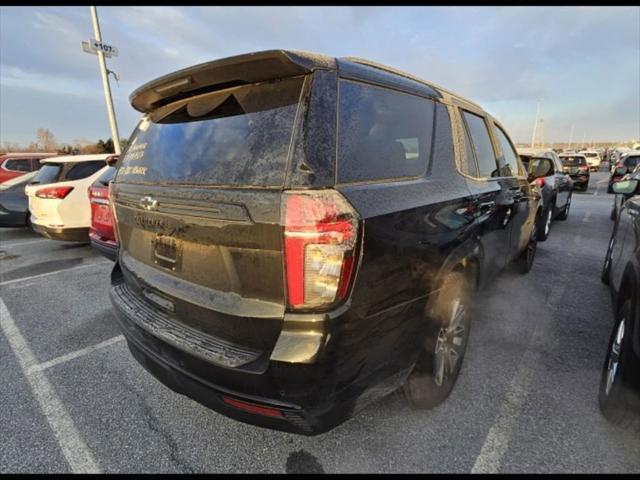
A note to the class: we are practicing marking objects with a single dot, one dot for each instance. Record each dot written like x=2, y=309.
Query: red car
x=15, y=164
x=101, y=232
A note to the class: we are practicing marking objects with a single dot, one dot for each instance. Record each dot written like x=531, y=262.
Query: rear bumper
x=106, y=249
x=578, y=181
x=62, y=234
x=303, y=394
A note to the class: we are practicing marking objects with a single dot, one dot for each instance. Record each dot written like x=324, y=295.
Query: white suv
x=58, y=198
x=593, y=159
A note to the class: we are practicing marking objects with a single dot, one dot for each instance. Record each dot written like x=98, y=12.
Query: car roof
x=273, y=64
x=571, y=155
x=534, y=151
x=28, y=154
x=77, y=158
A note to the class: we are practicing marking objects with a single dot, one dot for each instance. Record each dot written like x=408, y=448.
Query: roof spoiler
x=225, y=73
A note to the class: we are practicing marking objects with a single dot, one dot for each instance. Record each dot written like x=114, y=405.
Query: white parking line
x=73, y=448
x=70, y=356
x=15, y=280
x=19, y=244
x=497, y=440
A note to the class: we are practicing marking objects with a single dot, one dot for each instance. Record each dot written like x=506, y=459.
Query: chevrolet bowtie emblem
x=148, y=203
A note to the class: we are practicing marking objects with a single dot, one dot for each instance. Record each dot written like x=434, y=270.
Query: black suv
x=300, y=234
x=619, y=393
x=546, y=170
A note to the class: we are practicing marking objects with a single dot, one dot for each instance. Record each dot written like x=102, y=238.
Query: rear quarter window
x=382, y=134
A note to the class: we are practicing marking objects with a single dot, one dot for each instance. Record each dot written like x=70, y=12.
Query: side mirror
x=620, y=170
x=540, y=168
x=626, y=187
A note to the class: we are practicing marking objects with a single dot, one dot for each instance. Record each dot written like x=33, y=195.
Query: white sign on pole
x=93, y=45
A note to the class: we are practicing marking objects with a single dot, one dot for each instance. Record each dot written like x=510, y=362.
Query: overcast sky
x=583, y=62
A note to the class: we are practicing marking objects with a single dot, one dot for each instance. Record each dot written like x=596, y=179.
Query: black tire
x=610, y=188
x=565, y=211
x=606, y=267
x=437, y=368
x=585, y=187
x=614, y=397
x=614, y=213
x=524, y=262
x=544, y=225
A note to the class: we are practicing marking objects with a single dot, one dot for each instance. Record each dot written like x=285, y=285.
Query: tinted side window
x=482, y=143
x=508, y=159
x=18, y=164
x=382, y=133
x=83, y=170
x=470, y=166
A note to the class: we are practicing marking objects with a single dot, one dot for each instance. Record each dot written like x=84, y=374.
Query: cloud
x=581, y=61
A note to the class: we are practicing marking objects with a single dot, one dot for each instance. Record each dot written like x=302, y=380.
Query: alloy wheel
x=547, y=223
x=449, y=344
x=613, y=364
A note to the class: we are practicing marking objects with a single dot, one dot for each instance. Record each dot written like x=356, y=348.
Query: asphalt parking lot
x=75, y=400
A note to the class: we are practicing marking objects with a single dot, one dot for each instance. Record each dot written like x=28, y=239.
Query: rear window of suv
x=236, y=136
x=48, y=173
x=64, y=172
x=382, y=133
x=573, y=161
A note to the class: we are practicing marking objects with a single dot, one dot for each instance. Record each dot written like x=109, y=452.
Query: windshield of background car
x=573, y=161
x=237, y=136
x=590, y=154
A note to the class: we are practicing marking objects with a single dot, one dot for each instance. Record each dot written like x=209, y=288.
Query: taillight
x=112, y=205
x=320, y=234
x=53, y=192
x=540, y=182
x=99, y=195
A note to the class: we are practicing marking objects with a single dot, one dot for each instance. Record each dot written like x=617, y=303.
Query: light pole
x=571, y=136
x=105, y=83
x=535, y=125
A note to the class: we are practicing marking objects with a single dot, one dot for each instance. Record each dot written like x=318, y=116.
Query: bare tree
x=46, y=140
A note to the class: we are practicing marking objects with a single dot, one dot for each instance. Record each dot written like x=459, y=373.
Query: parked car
x=14, y=205
x=625, y=164
x=16, y=164
x=619, y=393
x=556, y=187
x=593, y=159
x=616, y=155
x=619, y=199
x=286, y=269
x=101, y=233
x=575, y=165
x=58, y=200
